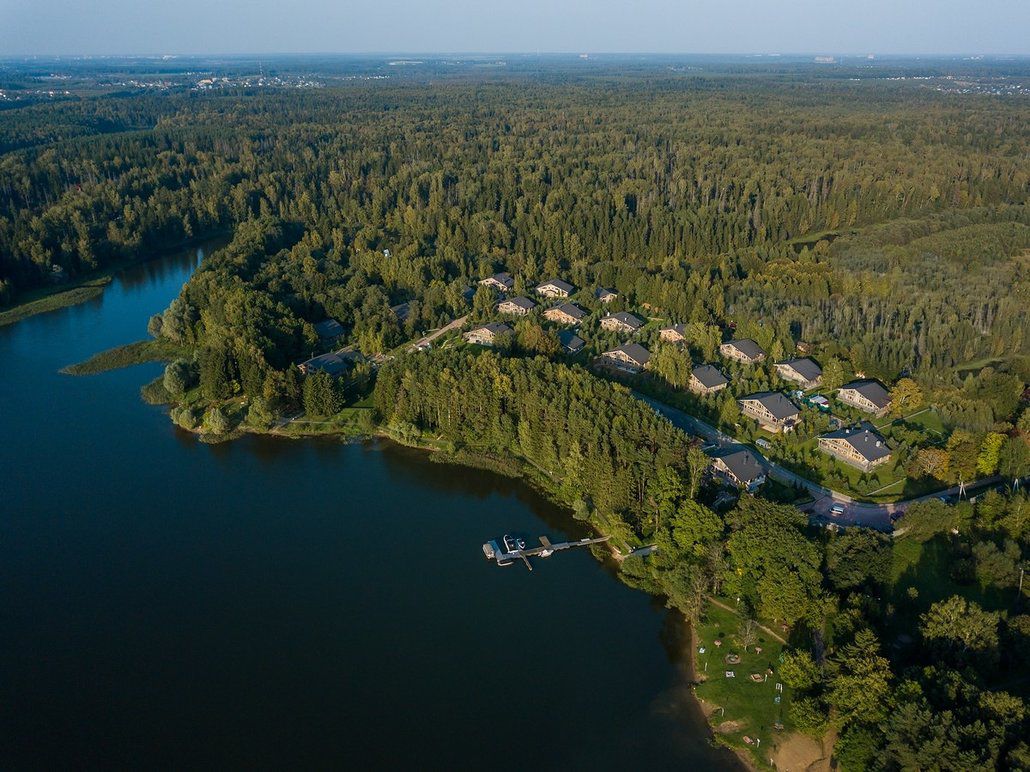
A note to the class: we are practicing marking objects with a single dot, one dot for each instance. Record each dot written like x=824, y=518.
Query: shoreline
x=42, y=299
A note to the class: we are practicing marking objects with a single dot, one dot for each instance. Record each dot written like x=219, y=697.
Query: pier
x=504, y=555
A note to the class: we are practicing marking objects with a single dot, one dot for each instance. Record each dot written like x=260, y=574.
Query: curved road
x=878, y=516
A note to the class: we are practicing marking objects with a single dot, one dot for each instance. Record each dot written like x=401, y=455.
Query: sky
x=547, y=26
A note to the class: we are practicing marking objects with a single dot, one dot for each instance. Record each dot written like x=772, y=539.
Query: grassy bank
x=157, y=350
x=52, y=298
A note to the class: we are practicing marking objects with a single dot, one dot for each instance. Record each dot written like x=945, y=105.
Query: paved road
x=437, y=333
x=879, y=516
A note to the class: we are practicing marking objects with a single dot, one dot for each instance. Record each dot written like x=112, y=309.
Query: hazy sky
x=674, y=26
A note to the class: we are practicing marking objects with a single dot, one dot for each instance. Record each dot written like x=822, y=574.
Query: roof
x=604, y=292
x=503, y=278
x=330, y=328
x=495, y=328
x=628, y=319
x=747, y=347
x=866, y=441
x=521, y=302
x=677, y=328
x=570, y=340
x=332, y=363
x=775, y=403
x=743, y=464
x=634, y=351
x=805, y=367
x=562, y=285
x=872, y=390
x=709, y=376
x=572, y=310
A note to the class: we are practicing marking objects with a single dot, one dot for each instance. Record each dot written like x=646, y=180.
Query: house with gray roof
x=333, y=363
x=739, y=467
x=744, y=350
x=804, y=372
x=605, y=295
x=867, y=395
x=486, y=334
x=629, y=357
x=674, y=333
x=860, y=446
x=519, y=306
x=621, y=322
x=570, y=341
x=566, y=313
x=707, y=379
x=330, y=329
x=773, y=411
x=502, y=282
x=555, y=288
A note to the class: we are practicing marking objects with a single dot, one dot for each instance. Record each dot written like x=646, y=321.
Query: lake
x=277, y=603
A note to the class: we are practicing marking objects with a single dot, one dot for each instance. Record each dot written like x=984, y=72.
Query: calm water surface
x=274, y=603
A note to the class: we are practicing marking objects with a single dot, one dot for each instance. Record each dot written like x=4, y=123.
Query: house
x=570, y=341
x=555, y=288
x=707, y=379
x=332, y=363
x=867, y=395
x=744, y=350
x=773, y=411
x=802, y=371
x=486, y=334
x=861, y=446
x=502, y=282
x=739, y=467
x=674, y=333
x=401, y=311
x=606, y=295
x=621, y=322
x=330, y=329
x=519, y=306
x=629, y=357
x=566, y=313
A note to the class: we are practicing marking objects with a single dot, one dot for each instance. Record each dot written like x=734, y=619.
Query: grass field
x=741, y=706
x=50, y=299
x=156, y=350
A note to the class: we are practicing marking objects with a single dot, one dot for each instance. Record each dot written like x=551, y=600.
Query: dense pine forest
x=879, y=227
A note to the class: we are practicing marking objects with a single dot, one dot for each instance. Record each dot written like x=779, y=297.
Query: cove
x=273, y=603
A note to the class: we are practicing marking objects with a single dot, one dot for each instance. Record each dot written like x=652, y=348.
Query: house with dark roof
x=605, y=295
x=804, y=372
x=519, y=306
x=707, y=379
x=621, y=322
x=486, y=334
x=629, y=357
x=867, y=395
x=554, y=288
x=502, y=282
x=330, y=329
x=570, y=341
x=860, y=446
x=674, y=333
x=773, y=411
x=566, y=313
x=333, y=363
x=739, y=467
x=744, y=350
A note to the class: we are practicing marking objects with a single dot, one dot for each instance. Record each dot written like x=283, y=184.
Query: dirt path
x=732, y=610
x=437, y=333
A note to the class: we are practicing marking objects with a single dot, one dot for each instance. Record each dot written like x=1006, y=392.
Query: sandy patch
x=801, y=753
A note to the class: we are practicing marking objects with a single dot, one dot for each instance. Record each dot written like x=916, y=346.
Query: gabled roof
x=747, y=347
x=743, y=464
x=604, y=292
x=709, y=376
x=571, y=341
x=775, y=403
x=330, y=328
x=628, y=319
x=502, y=278
x=332, y=363
x=562, y=285
x=805, y=367
x=572, y=310
x=523, y=303
x=864, y=438
x=677, y=328
x=494, y=327
x=872, y=390
x=634, y=351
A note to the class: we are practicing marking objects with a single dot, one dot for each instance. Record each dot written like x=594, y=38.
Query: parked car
x=837, y=510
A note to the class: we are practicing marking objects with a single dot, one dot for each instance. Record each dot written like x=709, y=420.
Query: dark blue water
x=275, y=603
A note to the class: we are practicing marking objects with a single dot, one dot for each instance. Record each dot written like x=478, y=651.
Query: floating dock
x=499, y=549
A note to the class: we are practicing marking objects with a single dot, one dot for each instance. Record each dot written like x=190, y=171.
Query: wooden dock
x=494, y=550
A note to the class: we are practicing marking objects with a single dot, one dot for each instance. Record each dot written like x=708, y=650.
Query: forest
x=880, y=227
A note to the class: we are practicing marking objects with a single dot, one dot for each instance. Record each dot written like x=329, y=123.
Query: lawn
x=156, y=350
x=50, y=299
x=741, y=706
